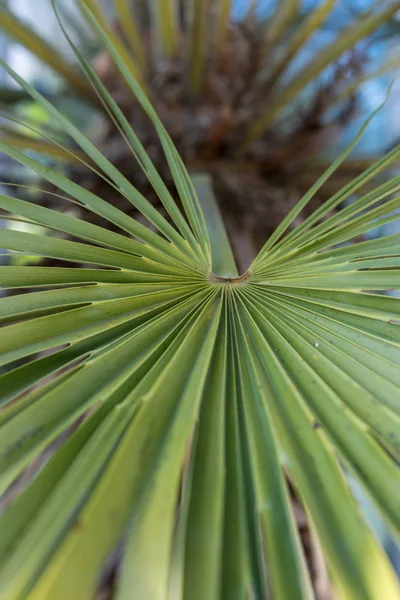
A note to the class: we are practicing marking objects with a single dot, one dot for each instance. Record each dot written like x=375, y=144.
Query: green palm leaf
x=196, y=401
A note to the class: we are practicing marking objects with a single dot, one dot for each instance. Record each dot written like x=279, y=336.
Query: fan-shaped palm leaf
x=192, y=396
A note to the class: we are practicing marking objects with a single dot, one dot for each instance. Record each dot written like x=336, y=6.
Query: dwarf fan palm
x=195, y=398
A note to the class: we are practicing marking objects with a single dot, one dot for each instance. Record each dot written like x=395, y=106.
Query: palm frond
x=312, y=24
x=165, y=16
x=391, y=64
x=223, y=8
x=26, y=142
x=130, y=28
x=346, y=40
x=199, y=18
x=285, y=12
x=196, y=401
x=95, y=8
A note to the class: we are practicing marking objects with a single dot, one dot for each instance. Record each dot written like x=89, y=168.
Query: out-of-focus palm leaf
x=25, y=142
x=199, y=20
x=194, y=396
x=124, y=54
x=391, y=64
x=302, y=34
x=165, y=16
x=130, y=28
x=223, y=8
x=346, y=40
x=23, y=34
x=285, y=12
